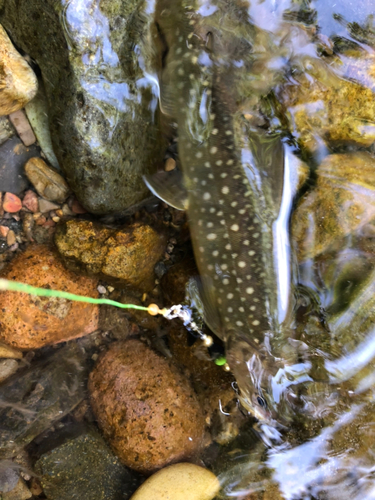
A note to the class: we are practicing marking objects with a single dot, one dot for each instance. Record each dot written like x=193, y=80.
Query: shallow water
x=305, y=72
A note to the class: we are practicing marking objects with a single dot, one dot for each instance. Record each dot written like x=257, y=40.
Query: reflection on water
x=309, y=74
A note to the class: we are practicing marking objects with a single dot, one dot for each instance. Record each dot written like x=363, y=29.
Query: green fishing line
x=16, y=286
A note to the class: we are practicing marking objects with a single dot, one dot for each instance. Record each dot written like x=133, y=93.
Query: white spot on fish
x=206, y=196
x=214, y=131
x=199, y=154
x=225, y=190
x=207, y=164
x=242, y=264
x=225, y=281
x=211, y=236
x=252, y=308
x=219, y=163
x=215, y=253
x=249, y=290
x=255, y=322
x=235, y=227
x=251, y=253
x=213, y=150
x=230, y=296
x=239, y=323
x=234, y=204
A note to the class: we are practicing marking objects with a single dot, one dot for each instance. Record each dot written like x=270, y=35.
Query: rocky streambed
x=105, y=403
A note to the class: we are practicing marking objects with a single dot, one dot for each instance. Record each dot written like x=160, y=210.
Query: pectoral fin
x=201, y=292
x=169, y=187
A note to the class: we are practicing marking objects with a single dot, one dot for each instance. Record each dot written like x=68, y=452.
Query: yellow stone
x=9, y=352
x=18, y=83
x=179, y=482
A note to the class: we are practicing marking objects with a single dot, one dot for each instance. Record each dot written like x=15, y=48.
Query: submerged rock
x=126, y=255
x=19, y=492
x=180, y=482
x=341, y=205
x=44, y=393
x=79, y=464
x=103, y=104
x=6, y=130
x=18, y=83
x=30, y=322
x=146, y=409
x=323, y=104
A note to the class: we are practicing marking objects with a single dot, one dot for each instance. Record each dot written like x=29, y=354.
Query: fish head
x=249, y=364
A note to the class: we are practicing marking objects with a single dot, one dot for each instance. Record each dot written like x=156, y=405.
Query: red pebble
x=77, y=208
x=4, y=231
x=30, y=201
x=12, y=203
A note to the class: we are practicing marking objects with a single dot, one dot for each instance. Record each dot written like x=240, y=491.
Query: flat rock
x=39, y=396
x=30, y=201
x=13, y=156
x=21, y=124
x=104, y=118
x=79, y=464
x=18, y=83
x=145, y=407
x=180, y=482
x=126, y=255
x=33, y=322
x=7, y=368
x=37, y=113
x=46, y=180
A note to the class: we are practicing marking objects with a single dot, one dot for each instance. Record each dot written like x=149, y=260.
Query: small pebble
x=11, y=203
x=56, y=219
x=7, y=351
x=170, y=165
x=30, y=201
x=7, y=368
x=101, y=289
x=110, y=289
x=49, y=223
x=47, y=206
x=4, y=230
x=48, y=183
x=77, y=208
x=41, y=220
x=11, y=238
x=21, y=124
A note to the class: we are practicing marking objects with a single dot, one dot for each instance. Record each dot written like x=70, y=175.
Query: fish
x=237, y=183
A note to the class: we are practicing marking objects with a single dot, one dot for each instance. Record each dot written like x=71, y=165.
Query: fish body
x=238, y=187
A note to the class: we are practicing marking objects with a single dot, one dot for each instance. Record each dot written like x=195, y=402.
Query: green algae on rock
x=126, y=255
x=103, y=103
x=79, y=464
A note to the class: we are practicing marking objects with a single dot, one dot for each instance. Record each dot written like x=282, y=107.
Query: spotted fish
x=236, y=183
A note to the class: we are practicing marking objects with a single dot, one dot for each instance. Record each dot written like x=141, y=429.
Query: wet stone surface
x=104, y=118
x=150, y=417
x=126, y=256
x=79, y=464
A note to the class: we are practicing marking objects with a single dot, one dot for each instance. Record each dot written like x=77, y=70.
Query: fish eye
x=261, y=402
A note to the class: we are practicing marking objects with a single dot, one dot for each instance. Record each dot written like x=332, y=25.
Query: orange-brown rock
x=146, y=409
x=18, y=83
x=30, y=322
x=127, y=255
